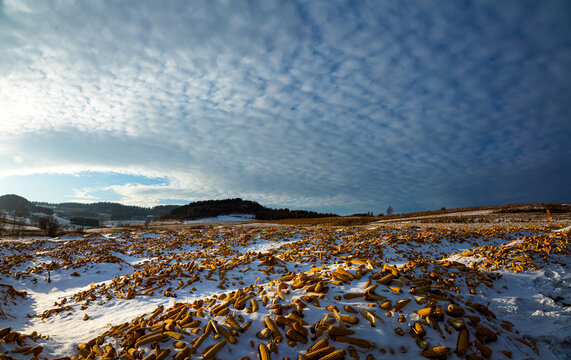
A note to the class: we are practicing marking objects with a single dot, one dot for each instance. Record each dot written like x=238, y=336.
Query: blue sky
x=338, y=106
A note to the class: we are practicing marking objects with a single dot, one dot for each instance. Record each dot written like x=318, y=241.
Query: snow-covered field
x=223, y=218
x=232, y=292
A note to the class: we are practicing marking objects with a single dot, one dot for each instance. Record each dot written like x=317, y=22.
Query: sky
x=334, y=106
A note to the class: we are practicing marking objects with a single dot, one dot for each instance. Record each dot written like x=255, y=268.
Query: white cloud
x=367, y=104
x=83, y=196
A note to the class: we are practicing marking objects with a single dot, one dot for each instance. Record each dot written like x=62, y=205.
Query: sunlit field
x=289, y=291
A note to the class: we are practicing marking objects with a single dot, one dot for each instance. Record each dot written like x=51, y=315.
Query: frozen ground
x=223, y=218
x=77, y=289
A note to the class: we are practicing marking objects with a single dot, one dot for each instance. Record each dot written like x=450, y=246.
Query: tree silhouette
x=49, y=225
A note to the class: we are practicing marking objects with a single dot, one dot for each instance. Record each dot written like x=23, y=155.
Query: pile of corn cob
x=330, y=294
x=19, y=344
x=420, y=302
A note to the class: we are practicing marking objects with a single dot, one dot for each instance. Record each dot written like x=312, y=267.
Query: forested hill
x=16, y=205
x=115, y=211
x=213, y=208
x=19, y=206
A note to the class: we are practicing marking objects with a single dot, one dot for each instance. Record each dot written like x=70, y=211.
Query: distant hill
x=21, y=207
x=92, y=214
x=80, y=214
x=113, y=211
x=213, y=208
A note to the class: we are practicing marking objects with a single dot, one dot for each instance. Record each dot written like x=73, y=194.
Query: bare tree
x=2, y=221
x=18, y=216
x=390, y=210
x=49, y=225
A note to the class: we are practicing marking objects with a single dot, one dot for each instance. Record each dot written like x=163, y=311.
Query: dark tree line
x=277, y=214
x=114, y=210
x=213, y=208
x=49, y=225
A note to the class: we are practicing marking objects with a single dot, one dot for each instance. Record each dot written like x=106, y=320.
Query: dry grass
x=328, y=221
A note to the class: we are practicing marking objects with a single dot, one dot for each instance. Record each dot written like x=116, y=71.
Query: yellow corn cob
x=264, y=352
x=348, y=296
x=354, y=341
x=387, y=305
x=245, y=327
x=318, y=345
x=299, y=328
x=417, y=329
x=338, y=318
x=5, y=331
x=455, y=310
x=435, y=352
x=400, y=304
x=199, y=341
x=346, y=273
x=396, y=290
x=341, y=277
x=130, y=357
x=143, y=341
x=462, y=343
x=183, y=353
x=185, y=320
x=438, y=313
x=353, y=352
x=425, y=312
x=226, y=334
x=288, y=277
x=386, y=279
x=21, y=350
x=390, y=269
x=192, y=324
x=353, y=320
x=83, y=349
x=150, y=357
x=255, y=306
x=297, y=319
x=368, y=316
x=214, y=349
x=419, y=290
x=283, y=321
x=350, y=309
x=484, y=350
x=318, y=353
x=337, y=331
x=232, y=322
x=98, y=350
x=274, y=328
x=295, y=336
x=457, y=324
x=320, y=287
x=173, y=335
x=335, y=355
x=264, y=334
x=221, y=312
x=487, y=333
x=163, y=354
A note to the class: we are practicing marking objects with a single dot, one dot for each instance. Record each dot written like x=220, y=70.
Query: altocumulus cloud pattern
x=337, y=105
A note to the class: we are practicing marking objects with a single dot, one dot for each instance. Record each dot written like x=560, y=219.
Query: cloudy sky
x=338, y=106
